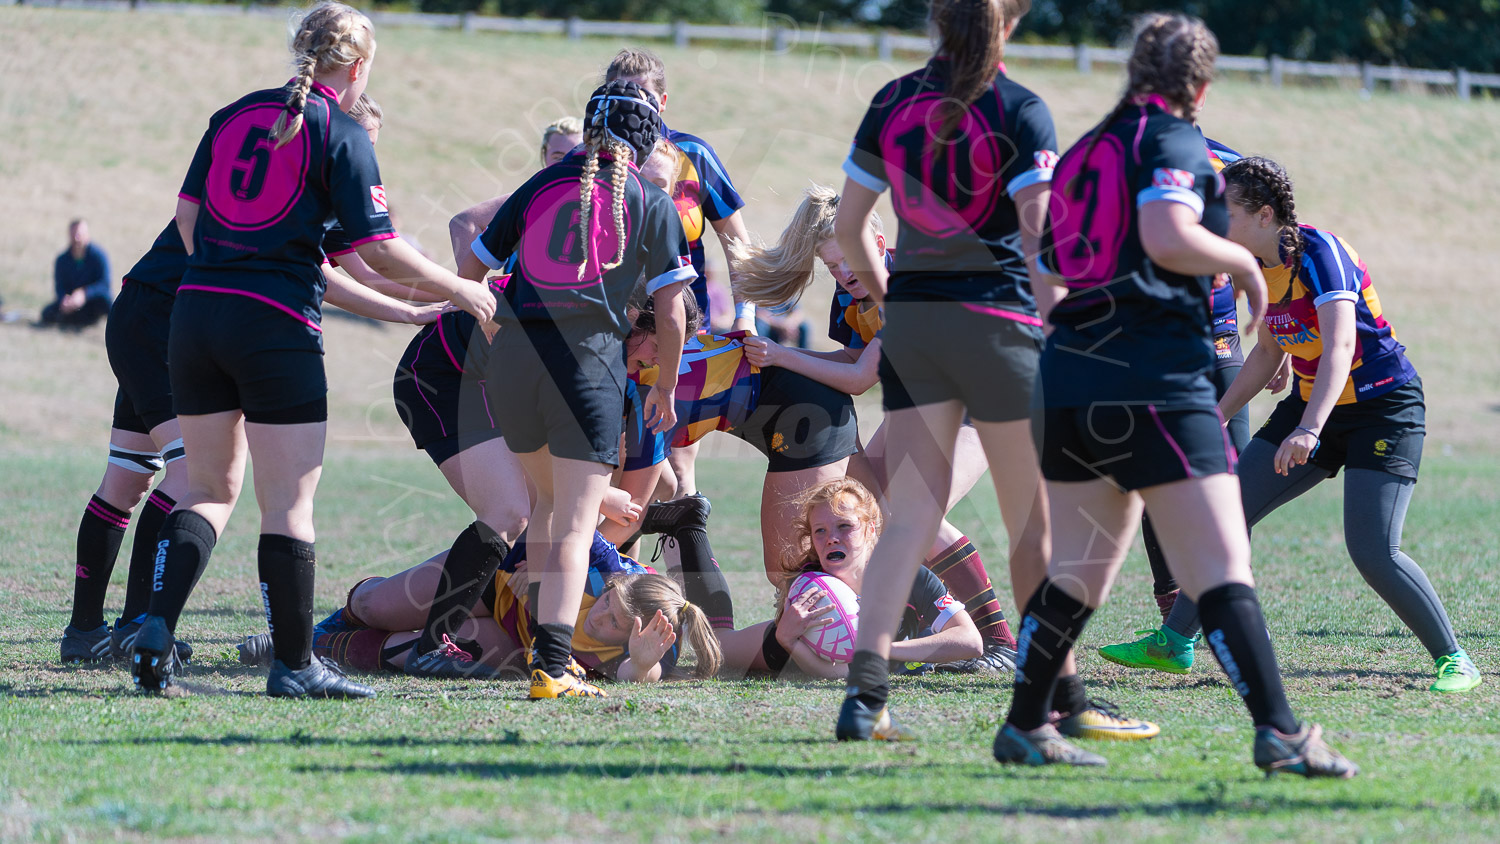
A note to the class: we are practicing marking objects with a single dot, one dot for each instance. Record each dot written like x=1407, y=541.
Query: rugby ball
x=834, y=641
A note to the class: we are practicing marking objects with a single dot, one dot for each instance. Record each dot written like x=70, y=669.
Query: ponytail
x=624, y=121
x=330, y=36
x=641, y=595
x=971, y=34
x=774, y=276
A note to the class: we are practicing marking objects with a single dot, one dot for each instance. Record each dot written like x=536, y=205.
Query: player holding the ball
x=836, y=528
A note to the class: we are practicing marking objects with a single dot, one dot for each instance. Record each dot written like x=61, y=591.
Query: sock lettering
x=160, y=565
x=1231, y=668
x=1023, y=646
x=265, y=598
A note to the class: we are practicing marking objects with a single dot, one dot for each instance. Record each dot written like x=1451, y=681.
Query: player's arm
x=851, y=229
x=357, y=299
x=1336, y=324
x=1261, y=365
x=847, y=370
x=957, y=639
x=468, y=223
x=731, y=230
x=815, y=665
x=355, y=266
x=629, y=503
x=187, y=221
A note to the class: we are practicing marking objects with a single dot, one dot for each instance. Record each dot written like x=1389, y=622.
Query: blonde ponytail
x=586, y=205
x=641, y=595
x=330, y=36
x=621, y=154
x=774, y=276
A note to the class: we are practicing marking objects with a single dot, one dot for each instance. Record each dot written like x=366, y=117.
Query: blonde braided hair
x=330, y=36
x=620, y=154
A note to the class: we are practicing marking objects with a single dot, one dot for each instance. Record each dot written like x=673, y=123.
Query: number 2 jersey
x=1331, y=271
x=539, y=225
x=263, y=210
x=1129, y=331
x=960, y=237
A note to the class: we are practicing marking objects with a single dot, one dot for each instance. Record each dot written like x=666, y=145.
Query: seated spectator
x=81, y=278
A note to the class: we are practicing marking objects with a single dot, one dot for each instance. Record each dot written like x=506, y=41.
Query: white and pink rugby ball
x=834, y=641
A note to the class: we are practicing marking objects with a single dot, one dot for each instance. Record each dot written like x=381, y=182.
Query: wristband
x=1310, y=431
x=744, y=310
x=772, y=652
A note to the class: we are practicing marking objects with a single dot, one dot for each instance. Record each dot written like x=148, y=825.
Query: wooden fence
x=782, y=35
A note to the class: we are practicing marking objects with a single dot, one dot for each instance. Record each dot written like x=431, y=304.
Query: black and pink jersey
x=264, y=211
x=1129, y=331
x=960, y=237
x=162, y=266
x=538, y=224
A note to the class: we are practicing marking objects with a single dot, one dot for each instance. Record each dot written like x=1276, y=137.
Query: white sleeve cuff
x=682, y=274
x=1336, y=296
x=1034, y=176
x=484, y=255
x=1186, y=196
x=941, y=622
x=863, y=177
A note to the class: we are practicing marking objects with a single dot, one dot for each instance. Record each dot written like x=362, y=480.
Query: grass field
x=98, y=116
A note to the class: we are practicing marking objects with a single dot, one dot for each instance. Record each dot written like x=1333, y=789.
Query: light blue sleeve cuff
x=683, y=274
x=484, y=255
x=863, y=177
x=1186, y=196
x=1034, y=176
x=1336, y=296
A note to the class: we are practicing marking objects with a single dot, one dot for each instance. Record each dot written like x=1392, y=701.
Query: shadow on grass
x=508, y=738
x=1330, y=633
x=1257, y=806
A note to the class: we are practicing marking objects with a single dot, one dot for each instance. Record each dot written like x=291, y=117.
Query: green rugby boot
x=1159, y=649
x=1456, y=673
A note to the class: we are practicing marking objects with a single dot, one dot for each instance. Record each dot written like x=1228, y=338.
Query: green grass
x=85, y=757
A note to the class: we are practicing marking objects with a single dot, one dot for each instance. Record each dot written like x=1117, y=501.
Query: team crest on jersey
x=377, y=196
x=1166, y=177
x=684, y=261
x=1044, y=159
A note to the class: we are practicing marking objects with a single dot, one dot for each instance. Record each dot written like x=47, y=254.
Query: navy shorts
x=440, y=388
x=231, y=352
x=983, y=356
x=799, y=423
x=135, y=339
x=1384, y=433
x=565, y=393
x=1136, y=445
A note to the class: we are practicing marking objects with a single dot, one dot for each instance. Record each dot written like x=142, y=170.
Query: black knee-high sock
x=472, y=561
x=287, y=569
x=1236, y=632
x=869, y=679
x=143, y=554
x=702, y=580
x=553, y=645
x=100, y=533
x=1052, y=623
x=182, y=551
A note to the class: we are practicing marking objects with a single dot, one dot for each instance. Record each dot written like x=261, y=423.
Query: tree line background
x=1442, y=34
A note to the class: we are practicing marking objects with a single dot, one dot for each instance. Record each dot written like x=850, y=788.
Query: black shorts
x=799, y=423
x=545, y=390
x=231, y=352
x=1139, y=446
x=1384, y=433
x=440, y=388
x=982, y=356
x=135, y=338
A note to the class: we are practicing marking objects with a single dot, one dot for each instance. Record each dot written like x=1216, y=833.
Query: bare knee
x=124, y=489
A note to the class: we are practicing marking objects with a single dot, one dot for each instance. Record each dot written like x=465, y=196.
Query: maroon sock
x=357, y=649
x=349, y=617
x=963, y=574
x=1165, y=601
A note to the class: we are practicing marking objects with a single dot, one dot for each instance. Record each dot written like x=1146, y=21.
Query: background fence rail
x=782, y=35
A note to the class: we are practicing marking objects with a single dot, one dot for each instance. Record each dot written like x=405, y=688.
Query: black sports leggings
x=1374, y=512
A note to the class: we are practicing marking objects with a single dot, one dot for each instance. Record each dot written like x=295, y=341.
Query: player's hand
x=428, y=314
x=802, y=614
x=1253, y=284
x=1282, y=377
x=1222, y=280
x=762, y=352
x=73, y=300
x=619, y=507
x=660, y=409
x=476, y=299
x=1296, y=449
x=649, y=642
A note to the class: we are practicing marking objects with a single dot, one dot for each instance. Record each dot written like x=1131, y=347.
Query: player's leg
x=1197, y=521
x=919, y=470
x=1374, y=513
x=133, y=461
x=1093, y=523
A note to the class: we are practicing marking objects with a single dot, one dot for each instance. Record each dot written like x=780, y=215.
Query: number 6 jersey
x=960, y=238
x=263, y=211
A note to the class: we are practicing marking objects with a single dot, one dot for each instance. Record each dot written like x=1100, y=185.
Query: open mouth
x=835, y=556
